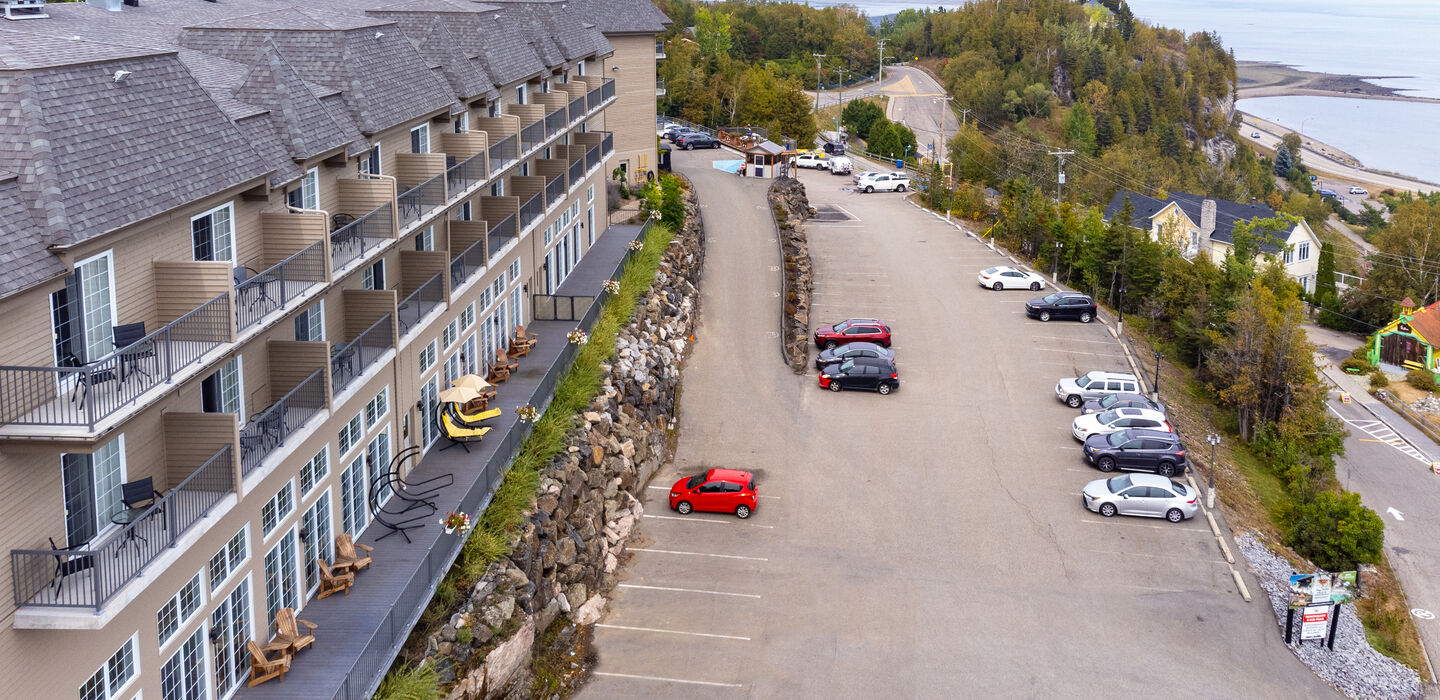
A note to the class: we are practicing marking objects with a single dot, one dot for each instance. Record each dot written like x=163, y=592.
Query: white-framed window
x=317, y=540
x=310, y=323
x=497, y=188
x=377, y=407
x=580, y=67
x=306, y=195
x=545, y=85
x=212, y=234
x=350, y=434
x=1303, y=251
x=275, y=509
x=520, y=94
x=373, y=277
x=525, y=168
x=485, y=299
x=454, y=367
x=223, y=392
x=1289, y=255
x=429, y=393
x=92, y=485
x=590, y=227
x=462, y=212
x=111, y=680
x=450, y=334
x=590, y=193
x=354, y=513
x=428, y=355
x=230, y=626
x=314, y=471
x=420, y=138
x=462, y=122
x=469, y=355
x=550, y=233
x=228, y=560
x=493, y=110
x=497, y=288
x=183, y=676
x=177, y=611
x=370, y=162
x=82, y=313
x=282, y=578
x=467, y=315
x=514, y=273
x=425, y=240
x=574, y=212
x=516, y=307
x=377, y=460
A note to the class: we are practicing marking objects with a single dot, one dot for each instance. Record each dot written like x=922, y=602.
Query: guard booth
x=765, y=159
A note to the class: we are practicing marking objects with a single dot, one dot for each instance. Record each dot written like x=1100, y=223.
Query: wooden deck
x=360, y=634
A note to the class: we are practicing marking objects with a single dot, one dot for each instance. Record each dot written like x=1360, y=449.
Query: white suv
x=884, y=182
x=1075, y=391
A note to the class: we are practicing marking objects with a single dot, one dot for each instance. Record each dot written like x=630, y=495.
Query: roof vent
x=24, y=9
x=111, y=5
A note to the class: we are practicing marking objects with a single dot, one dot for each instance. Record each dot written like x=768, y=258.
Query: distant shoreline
x=1266, y=79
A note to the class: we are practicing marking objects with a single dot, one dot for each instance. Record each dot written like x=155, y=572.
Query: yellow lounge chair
x=472, y=420
x=455, y=431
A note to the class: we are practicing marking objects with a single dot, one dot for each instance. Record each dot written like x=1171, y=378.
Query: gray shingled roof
x=303, y=123
x=622, y=16
x=1227, y=214
x=22, y=244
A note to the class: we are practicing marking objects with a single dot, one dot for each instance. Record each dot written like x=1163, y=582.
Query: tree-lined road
x=916, y=100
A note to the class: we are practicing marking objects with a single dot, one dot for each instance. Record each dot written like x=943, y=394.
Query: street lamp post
x=1120, y=324
x=1055, y=263
x=1214, y=440
x=1158, y=357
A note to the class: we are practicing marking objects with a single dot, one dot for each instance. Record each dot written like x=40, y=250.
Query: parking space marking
x=688, y=590
x=705, y=520
x=1221, y=562
x=1077, y=352
x=1072, y=340
x=700, y=554
x=1111, y=521
x=662, y=679
x=660, y=631
x=847, y=212
x=1156, y=589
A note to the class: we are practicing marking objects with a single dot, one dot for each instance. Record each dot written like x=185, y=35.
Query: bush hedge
x=1334, y=530
x=1421, y=379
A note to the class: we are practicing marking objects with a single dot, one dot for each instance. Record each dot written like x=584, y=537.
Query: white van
x=840, y=165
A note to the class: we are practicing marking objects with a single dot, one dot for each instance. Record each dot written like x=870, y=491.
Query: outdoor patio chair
x=263, y=668
x=472, y=420
x=331, y=582
x=287, y=631
x=346, y=558
x=498, y=374
x=126, y=336
x=522, y=335
x=502, y=360
x=66, y=564
x=454, y=430
x=142, y=493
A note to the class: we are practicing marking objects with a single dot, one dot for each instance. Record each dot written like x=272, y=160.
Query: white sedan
x=1116, y=419
x=1004, y=277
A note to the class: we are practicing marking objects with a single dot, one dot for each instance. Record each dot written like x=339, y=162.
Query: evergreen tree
x=860, y=115
x=1080, y=129
x=1282, y=162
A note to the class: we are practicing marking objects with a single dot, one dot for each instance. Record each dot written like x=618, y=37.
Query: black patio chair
x=129, y=335
x=142, y=493
x=67, y=564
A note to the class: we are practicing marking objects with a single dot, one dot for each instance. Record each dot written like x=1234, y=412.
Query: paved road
x=915, y=99
x=926, y=544
x=1271, y=134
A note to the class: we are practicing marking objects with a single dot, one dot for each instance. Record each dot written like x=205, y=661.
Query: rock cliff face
x=564, y=560
x=791, y=207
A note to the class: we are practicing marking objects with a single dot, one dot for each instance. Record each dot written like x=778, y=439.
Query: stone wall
x=791, y=207
x=564, y=560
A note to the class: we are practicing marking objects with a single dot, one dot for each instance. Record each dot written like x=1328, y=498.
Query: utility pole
x=1060, y=168
x=880, y=73
x=964, y=112
x=818, y=86
x=842, y=87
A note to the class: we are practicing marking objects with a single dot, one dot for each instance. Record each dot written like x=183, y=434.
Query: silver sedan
x=1149, y=495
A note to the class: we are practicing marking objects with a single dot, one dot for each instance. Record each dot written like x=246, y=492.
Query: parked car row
x=855, y=354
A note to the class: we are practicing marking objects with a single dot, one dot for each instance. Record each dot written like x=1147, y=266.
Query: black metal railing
x=532, y=210
x=503, y=153
x=532, y=135
x=462, y=175
x=420, y=200
x=551, y=307
x=82, y=396
x=577, y=107
x=555, y=122
x=420, y=302
x=554, y=190
x=592, y=158
x=467, y=263
x=270, y=428
x=87, y=578
x=349, y=361
x=352, y=240
x=272, y=289
x=593, y=99
x=659, y=49
x=577, y=171
x=500, y=234
x=607, y=89
x=607, y=143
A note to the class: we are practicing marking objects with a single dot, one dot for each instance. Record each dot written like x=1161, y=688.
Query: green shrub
x=414, y=683
x=464, y=635
x=1378, y=380
x=1421, y=379
x=1357, y=365
x=1335, y=531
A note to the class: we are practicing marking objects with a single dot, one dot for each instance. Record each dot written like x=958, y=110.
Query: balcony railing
x=532, y=210
x=607, y=89
x=577, y=171
x=503, y=153
x=659, y=50
x=659, y=87
x=420, y=200
x=554, y=190
x=592, y=158
x=500, y=234
x=87, y=578
x=275, y=287
x=271, y=427
x=555, y=122
x=83, y=396
x=350, y=241
x=532, y=135
x=594, y=98
x=420, y=302
x=577, y=107
x=462, y=175
x=467, y=263
x=349, y=361
x=607, y=144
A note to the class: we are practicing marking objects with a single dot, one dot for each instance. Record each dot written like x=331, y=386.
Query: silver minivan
x=1075, y=391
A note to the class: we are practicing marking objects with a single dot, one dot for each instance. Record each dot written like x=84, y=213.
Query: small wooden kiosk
x=765, y=159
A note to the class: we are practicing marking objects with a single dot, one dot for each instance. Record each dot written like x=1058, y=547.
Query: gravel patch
x=1354, y=667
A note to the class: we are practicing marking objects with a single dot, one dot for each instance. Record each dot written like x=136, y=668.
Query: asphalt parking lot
x=926, y=544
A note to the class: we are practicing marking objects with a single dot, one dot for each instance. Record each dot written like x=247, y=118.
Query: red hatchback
x=853, y=330
x=717, y=491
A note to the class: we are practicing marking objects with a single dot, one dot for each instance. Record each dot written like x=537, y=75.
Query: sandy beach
x=1263, y=79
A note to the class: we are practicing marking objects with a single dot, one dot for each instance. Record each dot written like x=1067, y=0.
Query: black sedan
x=839, y=354
x=872, y=374
x=1072, y=305
x=692, y=141
x=1110, y=401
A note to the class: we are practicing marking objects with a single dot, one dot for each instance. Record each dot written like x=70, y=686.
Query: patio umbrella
x=471, y=381
x=459, y=394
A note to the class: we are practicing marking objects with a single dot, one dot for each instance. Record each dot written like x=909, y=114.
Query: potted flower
x=454, y=521
x=528, y=413
x=578, y=337
x=637, y=246
x=612, y=286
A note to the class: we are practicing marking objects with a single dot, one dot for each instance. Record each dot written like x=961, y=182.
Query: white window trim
x=319, y=304
x=384, y=391
x=319, y=486
x=134, y=643
x=230, y=571
x=280, y=520
x=359, y=440
x=425, y=142
x=182, y=622
x=109, y=256
x=234, y=239
x=379, y=156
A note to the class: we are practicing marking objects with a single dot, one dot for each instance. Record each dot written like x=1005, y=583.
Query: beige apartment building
x=631, y=28
x=243, y=245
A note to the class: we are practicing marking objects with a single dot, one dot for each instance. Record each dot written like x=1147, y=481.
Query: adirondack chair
x=346, y=558
x=263, y=668
x=523, y=336
x=522, y=343
x=502, y=360
x=331, y=582
x=287, y=631
x=498, y=374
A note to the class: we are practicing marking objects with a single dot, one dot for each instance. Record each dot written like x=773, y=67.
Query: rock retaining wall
x=564, y=560
x=791, y=207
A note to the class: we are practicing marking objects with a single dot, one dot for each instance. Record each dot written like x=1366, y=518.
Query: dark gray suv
x=1137, y=450
x=1110, y=401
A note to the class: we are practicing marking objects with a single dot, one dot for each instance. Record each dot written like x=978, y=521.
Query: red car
x=717, y=491
x=853, y=330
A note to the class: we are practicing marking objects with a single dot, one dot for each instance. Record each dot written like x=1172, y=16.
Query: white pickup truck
x=884, y=182
x=811, y=160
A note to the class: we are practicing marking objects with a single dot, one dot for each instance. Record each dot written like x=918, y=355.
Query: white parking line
x=702, y=554
x=1077, y=352
x=660, y=631
x=1112, y=521
x=688, y=590
x=1071, y=340
x=847, y=212
x=1156, y=556
x=727, y=521
x=662, y=679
